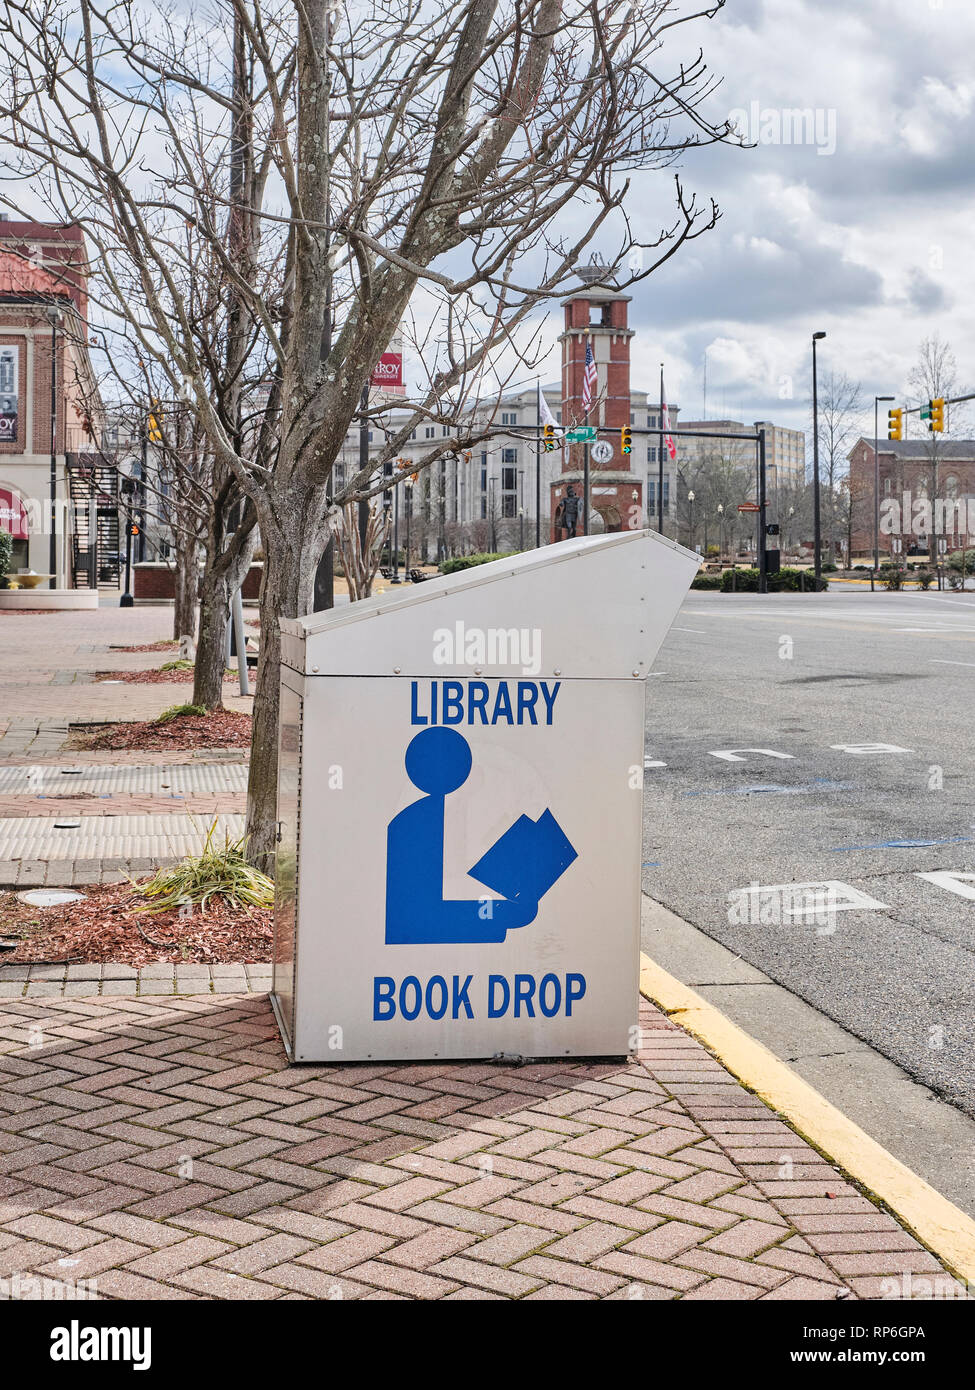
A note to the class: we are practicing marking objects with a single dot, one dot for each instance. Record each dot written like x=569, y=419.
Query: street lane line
x=935, y=661
x=937, y=1223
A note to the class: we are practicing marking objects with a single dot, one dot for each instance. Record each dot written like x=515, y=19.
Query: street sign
x=449, y=762
x=749, y=507
x=582, y=434
x=601, y=451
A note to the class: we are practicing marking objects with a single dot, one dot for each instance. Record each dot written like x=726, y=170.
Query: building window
x=509, y=489
x=652, y=496
x=429, y=431
x=951, y=485
x=558, y=417
x=509, y=456
x=509, y=417
x=651, y=422
x=652, y=453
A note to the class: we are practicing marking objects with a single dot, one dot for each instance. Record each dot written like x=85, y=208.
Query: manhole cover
x=49, y=897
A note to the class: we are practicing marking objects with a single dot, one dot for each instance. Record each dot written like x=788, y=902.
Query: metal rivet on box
x=397, y=670
x=558, y=670
x=314, y=668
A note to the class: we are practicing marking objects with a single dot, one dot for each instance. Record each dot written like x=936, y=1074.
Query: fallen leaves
x=106, y=926
x=221, y=728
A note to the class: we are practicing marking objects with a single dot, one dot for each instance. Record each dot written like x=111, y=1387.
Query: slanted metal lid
x=594, y=607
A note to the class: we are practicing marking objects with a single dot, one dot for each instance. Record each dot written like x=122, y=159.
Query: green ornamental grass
x=217, y=871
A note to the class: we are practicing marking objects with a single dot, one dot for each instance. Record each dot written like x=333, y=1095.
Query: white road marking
x=861, y=749
x=809, y=897
x=962, y=884
x=934, y=661
x=691, y=629
x=730, y=755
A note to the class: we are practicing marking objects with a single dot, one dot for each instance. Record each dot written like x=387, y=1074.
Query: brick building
x=913, y=473
x=43, y=320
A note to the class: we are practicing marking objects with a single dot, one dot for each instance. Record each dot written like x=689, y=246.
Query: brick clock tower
x=596, y=313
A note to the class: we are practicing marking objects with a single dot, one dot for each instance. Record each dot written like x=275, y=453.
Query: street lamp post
x=54, y=316
x=876, y=491
x=817, y=534
x=408, y=502
x=720, y=511
x=690, y=521
x=395, y=567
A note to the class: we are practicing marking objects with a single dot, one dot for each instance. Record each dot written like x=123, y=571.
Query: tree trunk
x=186, y=581
x=287, y=591
x=222, y=574
x=211, y=649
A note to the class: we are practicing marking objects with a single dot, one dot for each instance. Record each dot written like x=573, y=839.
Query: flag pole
x=538, y=463
x=585, y=456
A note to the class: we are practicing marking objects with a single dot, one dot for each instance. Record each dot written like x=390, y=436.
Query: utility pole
x=817, y=530
x=660, y=459
x=876, y=491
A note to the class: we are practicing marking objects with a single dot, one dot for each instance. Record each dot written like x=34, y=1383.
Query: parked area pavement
x=163, y=1148
x=49, y=661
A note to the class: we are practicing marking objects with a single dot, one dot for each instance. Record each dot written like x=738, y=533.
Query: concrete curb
x=937, y=1223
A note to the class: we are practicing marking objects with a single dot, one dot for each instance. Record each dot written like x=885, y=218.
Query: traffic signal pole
x=762, y=507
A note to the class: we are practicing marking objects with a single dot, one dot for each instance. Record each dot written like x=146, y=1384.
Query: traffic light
x=548, y=437
x=154, y=425
x=626, y=440
x=895, y=424
x=133, y=528
x=936, y=415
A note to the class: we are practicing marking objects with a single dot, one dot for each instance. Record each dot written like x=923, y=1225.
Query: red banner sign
x=13, y=517
x=388, y=371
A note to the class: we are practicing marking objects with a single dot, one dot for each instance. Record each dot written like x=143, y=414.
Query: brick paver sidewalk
x=162, y=1147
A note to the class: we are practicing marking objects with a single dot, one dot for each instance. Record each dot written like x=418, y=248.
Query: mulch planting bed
x=221, y=728
x=155, y=676
x=105, y=927
x=168, y=645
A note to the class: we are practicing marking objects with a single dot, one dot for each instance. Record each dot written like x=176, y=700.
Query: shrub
x=783, y=581
x=828, y=568
x=464, y=562
x=892, y=577
x=706, y=581
x=179, y=665
x=924, y=578
x=178, y=712
x=215, y=872
x=6, y=550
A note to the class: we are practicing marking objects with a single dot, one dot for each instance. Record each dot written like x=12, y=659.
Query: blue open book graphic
x=527, y=860
x=522, y=865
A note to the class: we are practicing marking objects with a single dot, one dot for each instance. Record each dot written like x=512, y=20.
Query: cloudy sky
x=865, y=232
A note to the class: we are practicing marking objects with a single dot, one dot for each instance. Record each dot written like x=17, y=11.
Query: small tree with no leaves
x=453, y=160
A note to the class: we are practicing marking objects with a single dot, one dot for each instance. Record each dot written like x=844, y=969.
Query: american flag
x=588, y=379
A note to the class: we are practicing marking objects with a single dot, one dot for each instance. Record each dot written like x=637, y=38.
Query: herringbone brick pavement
x=163, y=1148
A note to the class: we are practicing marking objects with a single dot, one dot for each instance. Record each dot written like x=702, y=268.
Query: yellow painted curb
x=938, y=1223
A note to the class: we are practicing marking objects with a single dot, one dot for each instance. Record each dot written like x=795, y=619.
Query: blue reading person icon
x=522, y=865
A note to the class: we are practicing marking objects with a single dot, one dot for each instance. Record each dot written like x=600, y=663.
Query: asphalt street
x=870, y=697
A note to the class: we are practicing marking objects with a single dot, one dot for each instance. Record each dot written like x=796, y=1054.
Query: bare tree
x=840, y=408
x=934, y=374
x=451, y=160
